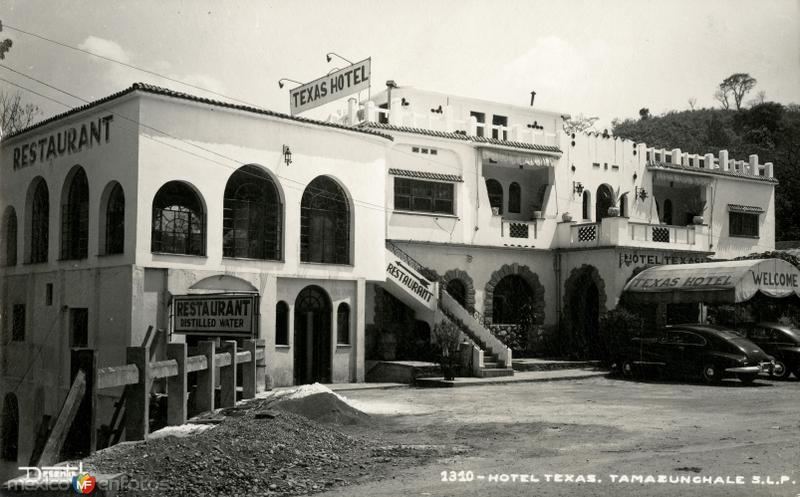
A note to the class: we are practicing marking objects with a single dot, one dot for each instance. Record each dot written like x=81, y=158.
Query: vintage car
x=711, y=352
x=778, y=340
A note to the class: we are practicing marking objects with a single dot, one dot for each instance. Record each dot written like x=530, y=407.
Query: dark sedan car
x=708, y=351
x=778, y=340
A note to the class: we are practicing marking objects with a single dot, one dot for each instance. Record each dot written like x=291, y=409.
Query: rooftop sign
x=344, y=82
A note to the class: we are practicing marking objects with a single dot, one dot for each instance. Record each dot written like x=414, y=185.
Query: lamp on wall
x=280, y=82
x=640, y=193
x=577, y=187
x=329, y=54
x=287, y=155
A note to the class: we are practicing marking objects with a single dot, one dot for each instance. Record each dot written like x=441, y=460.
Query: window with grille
x=514, y=198
x=343, y=324
x=423, y=196
x=75, y=218
x=324, y=223
x=40, y=222
x=115, y=221
x=743, y=224
x=281, y=323
x=178, y=221
x=252, y=214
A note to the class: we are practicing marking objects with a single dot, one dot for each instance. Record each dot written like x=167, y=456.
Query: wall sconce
x=280, y=82
x=577, y=187
x=640, y=193
x=287, y=155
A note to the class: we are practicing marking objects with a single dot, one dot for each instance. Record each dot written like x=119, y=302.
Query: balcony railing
x=518, y=232
x=585, y=235
x=618, y=232
x=662, y=233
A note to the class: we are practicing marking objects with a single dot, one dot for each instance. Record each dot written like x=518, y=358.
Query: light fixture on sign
x=280, y=82
x=577, y=187
x=640, y=193
x=287, y=155
x=328, y=57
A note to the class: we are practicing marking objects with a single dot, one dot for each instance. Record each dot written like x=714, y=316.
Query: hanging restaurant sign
x=228, y=315
x=344, y=82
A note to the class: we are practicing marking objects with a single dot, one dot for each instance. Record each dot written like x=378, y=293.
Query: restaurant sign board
x=215, y=315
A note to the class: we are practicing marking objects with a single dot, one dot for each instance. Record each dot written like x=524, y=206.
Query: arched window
x=667, y=211
x=251, y=224
x=9, y=234
x=495, y=190
x=115, y=221
x=324, y=223
x=281, y=323
x=75, y=217
x=178, y=220
x=514, y=198
x=39, y=222
x=587, y=206
x=343, y=324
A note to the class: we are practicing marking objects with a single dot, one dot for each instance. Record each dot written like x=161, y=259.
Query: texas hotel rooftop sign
x=339, y=84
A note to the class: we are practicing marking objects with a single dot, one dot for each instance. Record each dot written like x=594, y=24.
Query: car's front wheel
x=711, y=374
x=747, y=378
x=779, y=370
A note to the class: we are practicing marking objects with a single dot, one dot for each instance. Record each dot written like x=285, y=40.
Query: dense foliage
x=768, y=129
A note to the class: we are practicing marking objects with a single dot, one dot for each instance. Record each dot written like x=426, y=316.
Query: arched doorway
x=312, y=336
x=585, y=301
x=605, y=198
x=10, y=428
x=458, y=291
x=512, y=301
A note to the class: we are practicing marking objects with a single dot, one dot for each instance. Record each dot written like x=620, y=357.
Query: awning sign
x=229, y=315
x=339, y=84
x=715, y=282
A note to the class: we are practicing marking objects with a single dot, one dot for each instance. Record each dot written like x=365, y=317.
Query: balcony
x=518, y=232
x=619, y=232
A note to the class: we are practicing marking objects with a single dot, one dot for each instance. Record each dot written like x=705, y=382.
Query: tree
x=737, y=86
x=5, y=45
x=579, y=123
x=644, y=113
x=15, y=114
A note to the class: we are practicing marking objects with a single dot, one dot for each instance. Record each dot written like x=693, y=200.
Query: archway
x=312, y=336
x=584, y=302
x=461, y=288
x=522, y=289
x=605, y=199
x=10, y=428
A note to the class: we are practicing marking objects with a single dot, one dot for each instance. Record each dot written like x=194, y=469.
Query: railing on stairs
x=488, y=340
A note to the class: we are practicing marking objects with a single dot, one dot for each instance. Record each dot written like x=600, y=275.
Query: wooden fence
x=76, y=423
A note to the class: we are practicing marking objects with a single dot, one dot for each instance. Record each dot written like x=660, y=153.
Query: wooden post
x=249, y=371
x=137, y=403
x=261, y=366
x=82, y=436
x=227, y=375
x=177, y=386
x=206, y=379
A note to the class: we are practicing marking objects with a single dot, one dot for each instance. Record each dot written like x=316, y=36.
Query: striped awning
x=453, y=178
x=515, y=159
x=750, y=209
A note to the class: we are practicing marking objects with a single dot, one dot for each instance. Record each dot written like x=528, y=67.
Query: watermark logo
x=83, y=483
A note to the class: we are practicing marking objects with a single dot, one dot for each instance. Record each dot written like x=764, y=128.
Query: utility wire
x=131, y=66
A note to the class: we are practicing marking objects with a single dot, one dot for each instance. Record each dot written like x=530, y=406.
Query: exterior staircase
x=423, y=290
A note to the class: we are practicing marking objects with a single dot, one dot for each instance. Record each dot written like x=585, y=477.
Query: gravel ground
x=261, y=449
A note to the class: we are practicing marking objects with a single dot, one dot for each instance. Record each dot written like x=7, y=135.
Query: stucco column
x=361, y=324
x=266, y=321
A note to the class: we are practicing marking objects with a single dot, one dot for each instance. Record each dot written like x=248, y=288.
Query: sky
x=606, y=59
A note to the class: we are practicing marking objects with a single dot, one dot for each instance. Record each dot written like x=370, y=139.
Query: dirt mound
x=259, y=450
x=324, y=407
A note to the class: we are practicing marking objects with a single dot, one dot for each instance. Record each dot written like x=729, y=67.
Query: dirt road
x=600, y=436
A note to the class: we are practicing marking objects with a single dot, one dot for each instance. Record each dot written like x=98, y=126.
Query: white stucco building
x=115, y=211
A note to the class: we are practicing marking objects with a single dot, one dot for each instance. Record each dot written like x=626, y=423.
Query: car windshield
x=721, y=331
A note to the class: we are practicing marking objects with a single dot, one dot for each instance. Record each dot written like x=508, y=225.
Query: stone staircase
x=492, y=358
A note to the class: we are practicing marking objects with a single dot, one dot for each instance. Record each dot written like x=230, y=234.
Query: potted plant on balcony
x=696, y=207
x=616, y=198
x=566, y=217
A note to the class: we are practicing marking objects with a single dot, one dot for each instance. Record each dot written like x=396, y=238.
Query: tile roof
x=745, y=208
x=426, y=175
x=463, y=137
x=716, y=172
x=158, y=90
